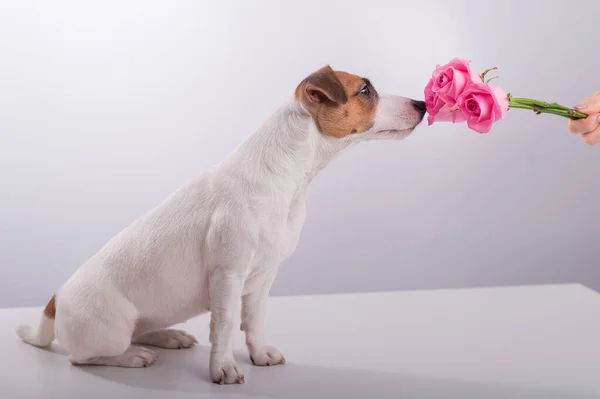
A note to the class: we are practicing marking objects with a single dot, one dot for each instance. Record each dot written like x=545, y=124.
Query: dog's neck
x=287, y=150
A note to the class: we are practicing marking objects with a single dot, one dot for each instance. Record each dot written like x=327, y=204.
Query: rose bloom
x=445, y=86
x=450, y=80
x=482, y=104
x=438, y=109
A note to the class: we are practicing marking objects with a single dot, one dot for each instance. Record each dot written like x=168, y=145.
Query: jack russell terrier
x=216, y=243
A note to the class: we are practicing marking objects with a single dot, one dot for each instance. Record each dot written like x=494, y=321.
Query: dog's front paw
x=266, y=356
x=225, y=371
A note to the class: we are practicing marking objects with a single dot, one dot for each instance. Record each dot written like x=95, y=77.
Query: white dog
x=217, y=242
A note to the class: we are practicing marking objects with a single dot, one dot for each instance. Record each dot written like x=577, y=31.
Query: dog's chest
x=280, y=231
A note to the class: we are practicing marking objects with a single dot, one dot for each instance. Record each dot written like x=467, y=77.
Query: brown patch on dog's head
x=50, y=310
x=339, y=102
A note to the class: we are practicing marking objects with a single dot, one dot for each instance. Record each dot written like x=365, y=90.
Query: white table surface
x=509, y=343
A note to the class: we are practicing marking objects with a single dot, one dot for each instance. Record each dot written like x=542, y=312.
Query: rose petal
x=486, y=105
x=501, y=98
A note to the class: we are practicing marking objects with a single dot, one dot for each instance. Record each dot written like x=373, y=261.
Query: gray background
x=107, y=107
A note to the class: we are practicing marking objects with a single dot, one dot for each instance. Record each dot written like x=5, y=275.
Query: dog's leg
x=226, y=291
x=253, y=320
x=97, y=329
x=166, y=338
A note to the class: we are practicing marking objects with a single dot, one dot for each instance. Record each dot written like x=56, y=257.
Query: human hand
x=588, y=128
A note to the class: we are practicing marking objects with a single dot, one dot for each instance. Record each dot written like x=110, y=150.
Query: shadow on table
x=186, y=371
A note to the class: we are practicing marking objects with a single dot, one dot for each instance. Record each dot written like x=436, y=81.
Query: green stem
x=541, y=107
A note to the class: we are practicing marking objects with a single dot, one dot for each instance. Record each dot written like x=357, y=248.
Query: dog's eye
x=365, y=91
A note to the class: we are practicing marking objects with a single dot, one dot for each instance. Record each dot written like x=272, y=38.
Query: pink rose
x=482, y=104
x=450, y=80
x=438, y=109
x=446, y=84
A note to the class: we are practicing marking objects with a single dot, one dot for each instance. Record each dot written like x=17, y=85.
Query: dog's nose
x=419, y=106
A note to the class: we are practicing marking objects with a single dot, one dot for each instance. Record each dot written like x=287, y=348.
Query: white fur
x=42, y=337
x=213, y=245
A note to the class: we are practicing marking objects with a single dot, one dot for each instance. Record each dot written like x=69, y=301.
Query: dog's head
x=343, y=105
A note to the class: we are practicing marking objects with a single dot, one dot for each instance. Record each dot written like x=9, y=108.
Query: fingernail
x=598, y=118
x=580, y=106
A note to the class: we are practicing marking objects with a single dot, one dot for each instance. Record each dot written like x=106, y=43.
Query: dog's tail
x=44, y=335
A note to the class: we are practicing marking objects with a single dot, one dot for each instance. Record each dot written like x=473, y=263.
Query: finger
x=586, y=125
x=590, y=105
x=592, y=138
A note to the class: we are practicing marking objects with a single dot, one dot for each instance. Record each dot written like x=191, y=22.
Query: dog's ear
x=321, y=87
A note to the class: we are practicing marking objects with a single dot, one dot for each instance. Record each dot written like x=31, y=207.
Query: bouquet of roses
x=457, y=94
